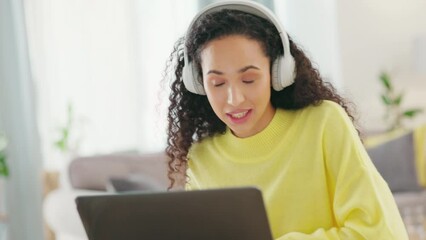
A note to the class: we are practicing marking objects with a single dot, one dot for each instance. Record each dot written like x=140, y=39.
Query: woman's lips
x=240, y=116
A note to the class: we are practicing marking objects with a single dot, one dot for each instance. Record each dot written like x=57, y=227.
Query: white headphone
x=283, y=68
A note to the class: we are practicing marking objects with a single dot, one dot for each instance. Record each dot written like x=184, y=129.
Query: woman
x=248, y=108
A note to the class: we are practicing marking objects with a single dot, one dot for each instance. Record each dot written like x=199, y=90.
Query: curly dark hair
x=190, y=116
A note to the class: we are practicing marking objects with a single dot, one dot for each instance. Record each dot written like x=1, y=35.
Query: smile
x=240, y=117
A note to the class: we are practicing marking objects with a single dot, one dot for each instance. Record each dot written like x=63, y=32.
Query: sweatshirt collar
x=257, y=147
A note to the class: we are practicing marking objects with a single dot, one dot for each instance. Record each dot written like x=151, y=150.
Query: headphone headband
x=190, y=75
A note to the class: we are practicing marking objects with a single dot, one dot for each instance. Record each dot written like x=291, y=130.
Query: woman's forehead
x=228, y=55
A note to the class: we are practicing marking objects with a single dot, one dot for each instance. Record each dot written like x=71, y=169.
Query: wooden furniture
x=3, y=225
x=50, y=183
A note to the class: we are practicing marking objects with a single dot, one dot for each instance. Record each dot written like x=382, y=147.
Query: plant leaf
x=61, y=145
x=386, y=100
x=385, y=79
x=65, y=133
x=4, y=170
x=397, y=101
x=412, y=112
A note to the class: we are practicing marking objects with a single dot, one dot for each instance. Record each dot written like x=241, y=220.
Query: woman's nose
x=235, y=96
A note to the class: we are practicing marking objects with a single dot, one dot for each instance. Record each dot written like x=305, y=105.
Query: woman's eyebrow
x=247, y=68
x=240, y=70
x=215, y=72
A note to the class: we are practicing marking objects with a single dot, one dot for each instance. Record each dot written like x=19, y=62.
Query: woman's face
x=236, y=77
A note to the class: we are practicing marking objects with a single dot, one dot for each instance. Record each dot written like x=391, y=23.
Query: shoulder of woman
x=325, y=108
x=330, y=106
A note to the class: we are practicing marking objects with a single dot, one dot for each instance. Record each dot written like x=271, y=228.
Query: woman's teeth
x=239, y=115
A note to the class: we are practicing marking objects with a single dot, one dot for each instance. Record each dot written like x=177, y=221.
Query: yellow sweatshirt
x=316, y=178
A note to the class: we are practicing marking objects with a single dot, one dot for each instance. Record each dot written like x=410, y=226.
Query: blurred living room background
x=83, y=78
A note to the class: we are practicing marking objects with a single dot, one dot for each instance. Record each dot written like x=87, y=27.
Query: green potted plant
x=63, y=142
x=392, y=99
x=4, y=173
x=66, y=145
x=4, y=170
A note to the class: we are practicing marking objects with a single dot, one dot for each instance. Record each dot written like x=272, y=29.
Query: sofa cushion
x=395, y=161
x=134, y=182
x=93, y=173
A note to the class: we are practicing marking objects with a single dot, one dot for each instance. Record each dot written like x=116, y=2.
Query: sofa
x=399, y=156
x=103, y=174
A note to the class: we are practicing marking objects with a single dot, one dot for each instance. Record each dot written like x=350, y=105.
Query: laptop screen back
x=235, y=213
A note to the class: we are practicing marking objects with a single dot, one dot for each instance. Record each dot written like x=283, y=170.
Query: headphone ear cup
x=192, y=80
x=275, y=79
x=283, y=73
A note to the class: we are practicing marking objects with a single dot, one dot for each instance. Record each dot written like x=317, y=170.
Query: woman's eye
x=248, y=81
x=216, y=82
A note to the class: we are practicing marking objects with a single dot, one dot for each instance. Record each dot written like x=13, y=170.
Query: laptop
x=226, y=214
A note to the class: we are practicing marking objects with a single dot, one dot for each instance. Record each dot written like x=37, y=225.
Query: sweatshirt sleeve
x=362, y=203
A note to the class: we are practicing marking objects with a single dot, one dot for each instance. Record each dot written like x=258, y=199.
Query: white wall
x=375, y=36
x=156, y=44
x=352, y=42
x=82, y=53
x=107, y=58
x=312, y=25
